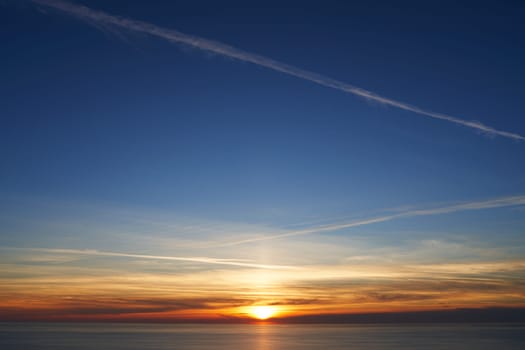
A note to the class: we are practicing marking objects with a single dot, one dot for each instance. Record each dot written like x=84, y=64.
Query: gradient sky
x=145, y=179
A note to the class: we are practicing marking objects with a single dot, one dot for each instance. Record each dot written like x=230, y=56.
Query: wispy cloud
x=54, y=290
x=203, y=260
x=487, y=204
x=103, y=19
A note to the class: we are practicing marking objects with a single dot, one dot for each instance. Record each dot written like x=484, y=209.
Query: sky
x=207, y=160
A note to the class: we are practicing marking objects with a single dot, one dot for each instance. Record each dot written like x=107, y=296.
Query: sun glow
x=263, y=312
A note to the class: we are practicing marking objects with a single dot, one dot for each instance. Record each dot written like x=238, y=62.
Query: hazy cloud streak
x=204, y=260
x=101, y=18
x=487, y=204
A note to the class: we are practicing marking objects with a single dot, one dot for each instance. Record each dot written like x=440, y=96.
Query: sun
x=263, y=312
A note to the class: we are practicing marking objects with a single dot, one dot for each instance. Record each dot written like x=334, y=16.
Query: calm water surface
x=259, y=337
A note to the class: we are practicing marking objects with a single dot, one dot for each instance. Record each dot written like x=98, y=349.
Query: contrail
x=204, y=260
x=487, y=204
x=174, y=36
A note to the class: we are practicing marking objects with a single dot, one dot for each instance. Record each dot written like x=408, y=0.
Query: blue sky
x=121, y=141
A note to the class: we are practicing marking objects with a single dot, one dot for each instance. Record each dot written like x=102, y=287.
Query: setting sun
x=263, y=312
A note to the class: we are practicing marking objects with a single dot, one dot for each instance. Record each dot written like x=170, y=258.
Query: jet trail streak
x=102, y=18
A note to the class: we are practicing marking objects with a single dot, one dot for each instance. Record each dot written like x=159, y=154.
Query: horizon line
x=490, y=314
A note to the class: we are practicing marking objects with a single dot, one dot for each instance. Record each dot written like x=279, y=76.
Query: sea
x=101, y=336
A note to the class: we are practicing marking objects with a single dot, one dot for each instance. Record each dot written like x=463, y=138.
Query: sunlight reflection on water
x=259, y=336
